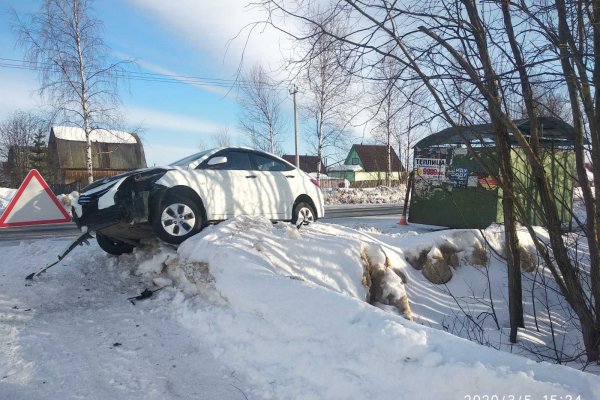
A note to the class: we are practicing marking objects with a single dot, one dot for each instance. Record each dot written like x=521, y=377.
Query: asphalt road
x=69, y=229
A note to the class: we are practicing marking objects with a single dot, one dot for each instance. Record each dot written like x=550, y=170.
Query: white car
x=177, y=201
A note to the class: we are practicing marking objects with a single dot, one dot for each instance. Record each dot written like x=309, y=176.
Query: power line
x=147, y=76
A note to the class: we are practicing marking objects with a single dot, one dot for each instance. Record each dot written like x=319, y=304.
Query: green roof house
x=366, y=165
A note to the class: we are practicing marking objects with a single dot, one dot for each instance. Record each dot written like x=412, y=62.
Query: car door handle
x=251, y=176
x=290, y=176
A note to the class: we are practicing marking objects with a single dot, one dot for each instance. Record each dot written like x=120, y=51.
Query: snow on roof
x=77, y=134
x=345, y=167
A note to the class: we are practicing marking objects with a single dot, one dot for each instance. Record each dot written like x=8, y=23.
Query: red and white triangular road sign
x=33, y=204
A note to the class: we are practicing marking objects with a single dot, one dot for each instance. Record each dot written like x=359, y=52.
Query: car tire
x=177, y=219
x=113, y=246
x=305, y=211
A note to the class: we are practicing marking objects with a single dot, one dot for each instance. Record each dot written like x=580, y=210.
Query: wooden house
x=113, y=152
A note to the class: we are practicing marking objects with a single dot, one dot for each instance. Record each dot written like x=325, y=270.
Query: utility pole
x=293, y=91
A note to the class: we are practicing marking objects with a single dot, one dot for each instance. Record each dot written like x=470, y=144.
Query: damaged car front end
x=117, y=208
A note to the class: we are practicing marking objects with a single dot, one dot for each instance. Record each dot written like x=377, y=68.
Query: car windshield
x=184, y=162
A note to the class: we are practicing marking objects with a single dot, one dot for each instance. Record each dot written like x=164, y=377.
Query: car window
x=266, y=163
x=189, y=159
x=236, y=160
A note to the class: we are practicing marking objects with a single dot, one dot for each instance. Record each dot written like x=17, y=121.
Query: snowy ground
x=377, y=195
x=252, y=310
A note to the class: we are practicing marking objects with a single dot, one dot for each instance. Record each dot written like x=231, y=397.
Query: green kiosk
x=454, y=190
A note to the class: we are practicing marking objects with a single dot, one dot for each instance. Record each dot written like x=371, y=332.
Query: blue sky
x=184, y=37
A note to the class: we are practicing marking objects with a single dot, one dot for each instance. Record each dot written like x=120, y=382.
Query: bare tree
x=398, y=114
x=222, y=138
x=473, y=58
x=19, y=135
x=261, y=118
x=386, y=110
x=64, y=42
x=326, y=99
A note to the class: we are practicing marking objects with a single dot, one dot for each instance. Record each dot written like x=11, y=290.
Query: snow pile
x=67, y=200
x=378, y=195
x=320, y=255
x=6, y=195
x=286, y=310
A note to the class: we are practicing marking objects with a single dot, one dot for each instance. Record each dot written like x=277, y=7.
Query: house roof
x=345, y=168
x=77, y=134
x=554, y=131
x=308, y=164
x=374, y=157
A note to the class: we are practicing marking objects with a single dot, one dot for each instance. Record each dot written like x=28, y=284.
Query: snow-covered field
x=251, y=310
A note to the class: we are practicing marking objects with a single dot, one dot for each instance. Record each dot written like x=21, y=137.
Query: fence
x=332, y=183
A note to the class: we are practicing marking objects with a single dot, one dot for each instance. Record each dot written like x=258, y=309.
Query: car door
x=276, y=181
x=231, y=187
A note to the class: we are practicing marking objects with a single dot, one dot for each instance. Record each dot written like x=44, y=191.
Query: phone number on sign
x=521, y=397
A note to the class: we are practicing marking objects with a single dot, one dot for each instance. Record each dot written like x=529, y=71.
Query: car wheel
x=178, y=218
x=304, y=212
x=113, y=246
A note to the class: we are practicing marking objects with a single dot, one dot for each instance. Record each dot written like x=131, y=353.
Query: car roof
x=212, y=152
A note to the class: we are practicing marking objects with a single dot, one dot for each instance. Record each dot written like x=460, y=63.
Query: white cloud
x=161, y=120
x=221, y=91
x=221, y=29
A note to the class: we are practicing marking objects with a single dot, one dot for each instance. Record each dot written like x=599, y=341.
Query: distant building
x=113, y=152
x=308, y=164
x=366, y=165
x=17, y=165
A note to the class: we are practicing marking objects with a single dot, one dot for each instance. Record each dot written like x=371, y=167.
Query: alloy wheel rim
x=178, y=219
x=306, y=214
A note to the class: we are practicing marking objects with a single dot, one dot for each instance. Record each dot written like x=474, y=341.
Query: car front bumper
x=129, y=209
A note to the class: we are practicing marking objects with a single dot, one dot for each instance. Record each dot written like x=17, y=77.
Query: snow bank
x=378, y=195
x=67, y=200
x=6, y=195
x=473, y=304
x=285, y=309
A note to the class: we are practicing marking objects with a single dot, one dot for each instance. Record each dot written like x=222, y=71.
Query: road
x=69, y=229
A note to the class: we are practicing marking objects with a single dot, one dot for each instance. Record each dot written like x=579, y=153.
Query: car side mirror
x=217, y=160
